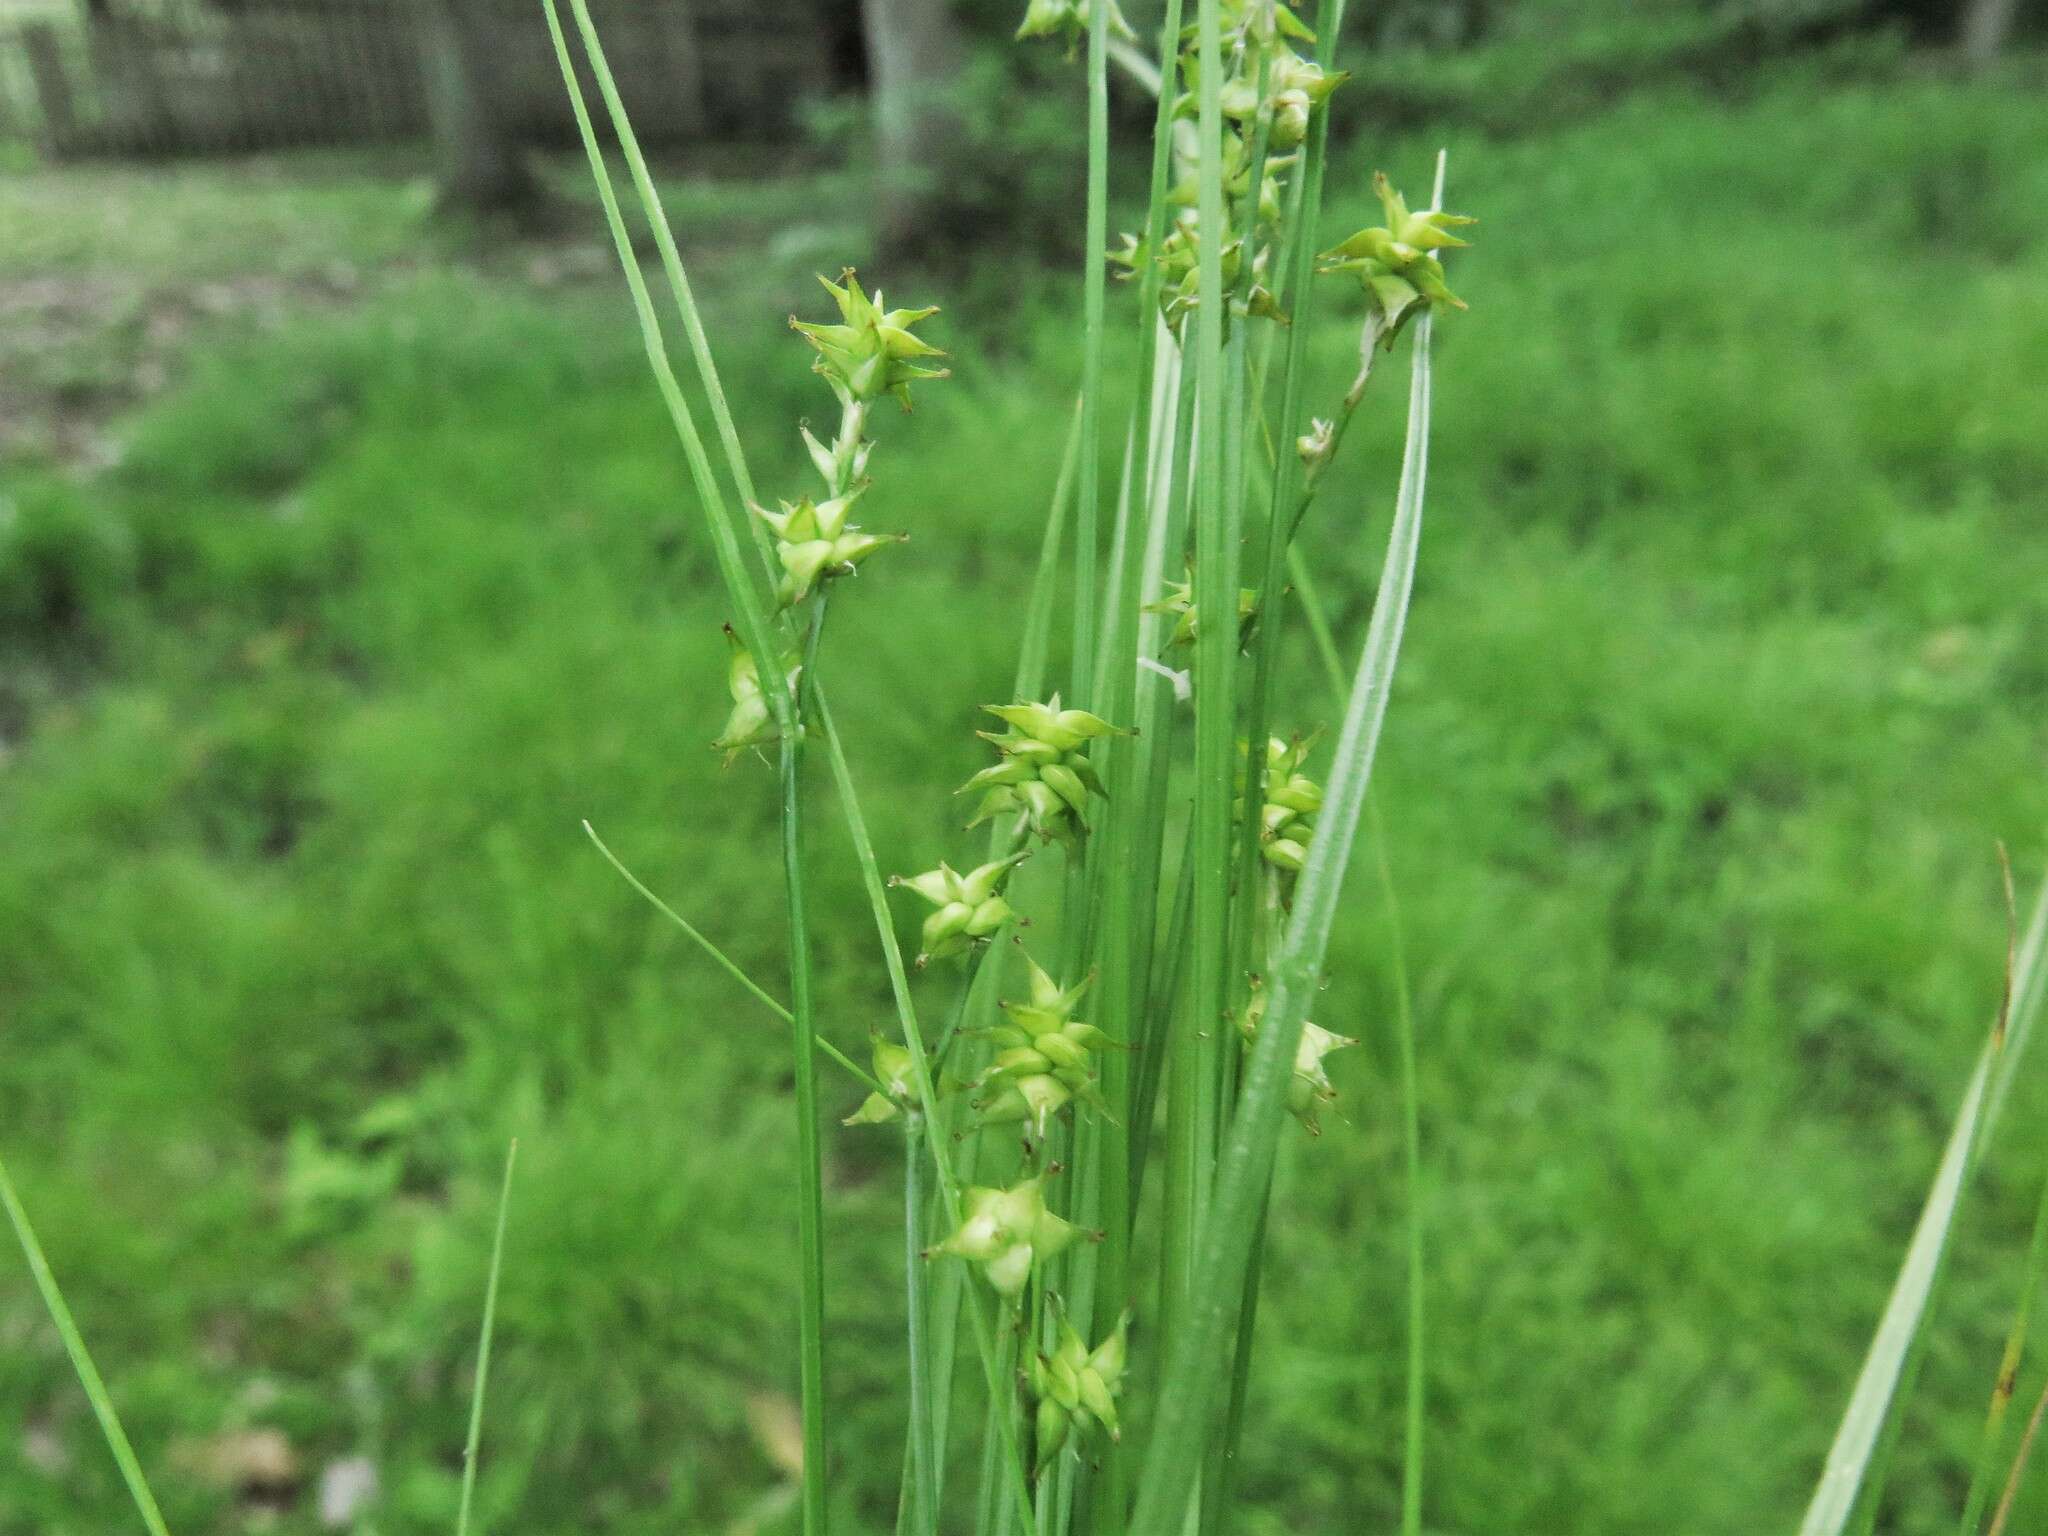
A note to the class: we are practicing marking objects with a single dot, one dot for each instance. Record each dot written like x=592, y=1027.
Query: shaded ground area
x=109, y=272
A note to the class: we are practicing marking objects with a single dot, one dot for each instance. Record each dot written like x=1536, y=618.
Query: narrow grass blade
x=1874, y=1401
x=810, y=1163
x=81, y=1361
x=483, y=1349
x=1089, y=497
x=1297, y=270
x=1220, y=1485
x=726, y=962
x=756, y=630
x=1164, y=1000
x=2007, y=1380
x=2028, y=989
x=923, y=1501
x=2019, y=1465
x=1034, y=645
x=761, y=634
x=1411, y=1156
x=678, y=279
x=1188, y=1389
x=1318, y=619
x=920, y=1065
x=1191, y=1103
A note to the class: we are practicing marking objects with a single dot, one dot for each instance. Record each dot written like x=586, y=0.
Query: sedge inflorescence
x=1035, y=1089
x=868, y=354
x=1267, y=97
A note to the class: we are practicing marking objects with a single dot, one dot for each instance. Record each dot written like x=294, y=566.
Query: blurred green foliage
x=1728, y=662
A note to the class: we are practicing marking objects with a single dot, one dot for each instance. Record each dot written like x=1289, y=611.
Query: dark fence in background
x=207, y=80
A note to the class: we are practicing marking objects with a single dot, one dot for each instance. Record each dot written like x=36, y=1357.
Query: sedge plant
x=1115, y=979
x=1104, y=1016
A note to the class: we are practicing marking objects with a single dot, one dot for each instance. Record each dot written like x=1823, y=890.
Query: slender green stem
x=1086, y=533
x=923, y=1479
x=1191, y=1108
x=1150, y=353
x=1221, y=1484
x=678, y=280
x=1286, y=466
x=483, y=1349
x=1411, y=1153
x=920, y=1062
x=1165, y=1001
x=999, y=1438
x=726, y=962
x=757, y=631
x=1318, y=620
x=1033, y=648
x=810, y=1153
x=2019, y=1465
x=1973, y=1133
x=81, y=1360
x=2008, y=1371
x=1188, y=1387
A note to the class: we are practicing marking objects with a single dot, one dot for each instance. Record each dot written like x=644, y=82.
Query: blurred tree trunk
x=914, y=54
x=1987, y=25
x=479, y=163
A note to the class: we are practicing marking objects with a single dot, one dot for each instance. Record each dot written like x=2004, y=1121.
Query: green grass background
x=1726, y=667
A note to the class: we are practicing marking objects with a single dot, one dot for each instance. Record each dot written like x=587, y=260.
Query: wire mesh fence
x=212, y=78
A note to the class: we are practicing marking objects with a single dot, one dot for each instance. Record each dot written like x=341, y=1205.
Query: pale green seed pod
x=1058, y=1050
x=872, y=353
x=899, y=1086
x=814, y=541
x=752, y=722
x=826, y=461
x=1052, y=1422
x=1396, y=263
x=968, y=909
x=1290, y=119
x=1288, y=808
x=1007, y=1232
x=1309, y=1088
x=1078, y=1386
x=1180, y=602
x=1044, y=1057
x=1068, y=21
x=1043, y=774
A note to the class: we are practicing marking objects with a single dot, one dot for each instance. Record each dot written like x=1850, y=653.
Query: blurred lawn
x=1728, y=663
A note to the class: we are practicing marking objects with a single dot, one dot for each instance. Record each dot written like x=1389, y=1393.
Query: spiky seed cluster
x=1287, y=813
x=899, y=1086
x=1257, y=35
x=1397, y=263
x=1044, y=773
x=752, y=721
x=1180, y=258
x=1007, y=1232
x=1180, y=602
x=1044, y=1057
x=1077, y=1387
x=872, y=353
x=813, y=540
x=1068, y=21
x=967, y=909
x=1310, y=1087
x=1294, y=86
